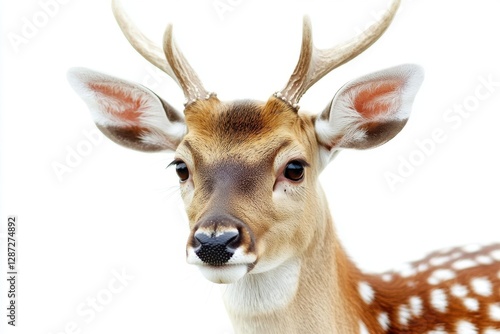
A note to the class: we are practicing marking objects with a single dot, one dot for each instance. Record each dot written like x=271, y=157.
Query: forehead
x=243, y=130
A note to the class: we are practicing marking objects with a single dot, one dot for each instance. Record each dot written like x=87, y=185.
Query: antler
x=170, y=60
x=315, y=63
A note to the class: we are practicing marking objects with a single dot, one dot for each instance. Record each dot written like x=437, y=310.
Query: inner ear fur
x=128, y=113
x=371, y=110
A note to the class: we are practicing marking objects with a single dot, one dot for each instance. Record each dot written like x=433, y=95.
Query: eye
x=181, y=170
x=294, y=170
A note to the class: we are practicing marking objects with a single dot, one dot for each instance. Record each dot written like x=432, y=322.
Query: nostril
x=201, y=239
x=228, y=238
x=223, y=239
x=234, y=242
x=216, y=249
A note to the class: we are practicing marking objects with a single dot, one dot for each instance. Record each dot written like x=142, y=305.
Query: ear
x=127, y=113
x=369, y=111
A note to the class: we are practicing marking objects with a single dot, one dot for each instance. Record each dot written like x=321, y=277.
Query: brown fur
x=236, y=154
x=232, y=148
x=231, y=142
x=391, y=295
x=301, y=280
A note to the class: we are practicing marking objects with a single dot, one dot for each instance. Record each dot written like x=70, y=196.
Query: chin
x=225, y=274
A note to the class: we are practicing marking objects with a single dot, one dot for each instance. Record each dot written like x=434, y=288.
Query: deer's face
x=248, y=170
x=247, y=175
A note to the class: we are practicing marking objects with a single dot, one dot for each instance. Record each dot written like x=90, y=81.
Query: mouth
x=229, y=272
x=225, y=274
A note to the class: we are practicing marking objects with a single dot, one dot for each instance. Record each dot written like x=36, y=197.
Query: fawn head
x=248, y=170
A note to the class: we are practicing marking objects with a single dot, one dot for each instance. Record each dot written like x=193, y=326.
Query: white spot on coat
x=483, y=259
x=482, y=286
x=386, y=277
x=441, y=275
x=416, y=306
x=383, y=320
x=460, y=291
x=494, y=311
x=465, y=327
x=439, y=260
x=495, y=254
x=423, y=267
x=439, y=300
x=437, y=330
x=404, y=315
x=464, y=264
x=366, y=292
x=472, y=248
x=491, y=331
x=472, y=304
x=362, y=328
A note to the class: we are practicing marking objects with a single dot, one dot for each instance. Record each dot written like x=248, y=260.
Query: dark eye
x=294, y=171
x=182, y=170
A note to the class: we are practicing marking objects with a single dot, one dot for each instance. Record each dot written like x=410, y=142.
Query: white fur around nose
x=240, y=256
x=233, y=270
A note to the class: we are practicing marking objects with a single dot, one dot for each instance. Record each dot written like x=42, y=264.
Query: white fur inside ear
x=343, y=122
x=171, y=135
x=117, y=103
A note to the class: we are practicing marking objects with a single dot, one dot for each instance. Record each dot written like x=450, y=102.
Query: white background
x=119, y=210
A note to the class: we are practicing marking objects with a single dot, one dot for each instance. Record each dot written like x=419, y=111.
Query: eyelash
x=173, y=163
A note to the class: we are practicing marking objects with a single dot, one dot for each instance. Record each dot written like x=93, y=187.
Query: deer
x=258, y=218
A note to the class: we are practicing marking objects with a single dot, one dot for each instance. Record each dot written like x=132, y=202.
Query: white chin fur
x=224, y=274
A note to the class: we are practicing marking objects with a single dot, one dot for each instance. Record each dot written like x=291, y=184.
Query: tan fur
x=302, y=225
x=327, y=299
x=287, y=269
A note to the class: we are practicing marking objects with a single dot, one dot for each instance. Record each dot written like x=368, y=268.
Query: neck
x=309, y=293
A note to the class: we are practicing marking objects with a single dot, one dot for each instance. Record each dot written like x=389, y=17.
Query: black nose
x=216, y=249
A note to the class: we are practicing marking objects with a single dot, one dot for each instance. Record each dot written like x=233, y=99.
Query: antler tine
x=186, y=76
x=170, y=60
x=315, y=63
